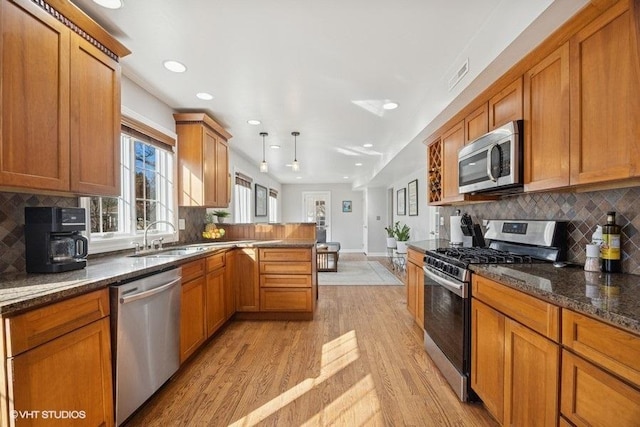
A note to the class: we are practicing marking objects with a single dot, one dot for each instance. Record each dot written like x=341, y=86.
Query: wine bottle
x=610, y=250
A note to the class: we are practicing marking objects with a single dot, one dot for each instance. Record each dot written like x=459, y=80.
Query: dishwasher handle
x=150, y=292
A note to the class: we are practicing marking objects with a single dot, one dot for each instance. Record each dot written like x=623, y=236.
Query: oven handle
x=455, y=287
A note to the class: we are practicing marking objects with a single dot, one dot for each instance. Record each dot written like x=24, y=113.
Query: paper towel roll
x=456, y=232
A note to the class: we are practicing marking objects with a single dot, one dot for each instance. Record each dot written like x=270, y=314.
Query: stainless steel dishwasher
x=145, y=338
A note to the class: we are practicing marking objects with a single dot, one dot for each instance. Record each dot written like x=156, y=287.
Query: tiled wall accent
x=583, y=211
x=12, y=225
x=194, y=219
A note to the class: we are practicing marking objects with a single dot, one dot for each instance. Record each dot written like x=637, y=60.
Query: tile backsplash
x=12, y=225
x=583, y=211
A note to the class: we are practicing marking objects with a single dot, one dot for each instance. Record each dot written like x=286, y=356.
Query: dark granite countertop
x=428, y=245
x=22, y=291
x=614, y=298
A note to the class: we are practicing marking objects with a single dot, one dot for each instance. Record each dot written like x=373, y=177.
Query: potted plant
x=402, y=236
x=221, y=215
x=391, y=240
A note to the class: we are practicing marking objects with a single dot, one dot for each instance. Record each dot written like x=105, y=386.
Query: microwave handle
x=489, y=173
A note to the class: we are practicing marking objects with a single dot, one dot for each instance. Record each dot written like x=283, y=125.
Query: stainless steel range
x=447, y=295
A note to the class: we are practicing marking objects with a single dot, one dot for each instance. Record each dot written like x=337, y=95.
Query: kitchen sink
x=171, y=252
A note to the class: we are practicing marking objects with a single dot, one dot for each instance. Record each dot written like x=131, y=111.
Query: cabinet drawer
x=285, y=268
x=415, y=257
x=193, y=270
x=216, y=261
x=285, y=254
x=590, y=396
x=285, y=299
x=606, y=345
x=536, y=314
x=285, y=281
x=38, y=326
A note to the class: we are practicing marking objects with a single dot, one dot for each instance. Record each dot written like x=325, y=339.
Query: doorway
x=316, y=207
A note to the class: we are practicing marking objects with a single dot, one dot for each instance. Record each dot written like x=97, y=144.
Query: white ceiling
x=313, y=67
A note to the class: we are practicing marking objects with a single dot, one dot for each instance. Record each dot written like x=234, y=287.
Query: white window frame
x=107, y=242
x=242, y=204
x=273, y=208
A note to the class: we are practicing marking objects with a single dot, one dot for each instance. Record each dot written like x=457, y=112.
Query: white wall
x=346, y=227
x=239, y=163
x=423, y=224
x=137, y=100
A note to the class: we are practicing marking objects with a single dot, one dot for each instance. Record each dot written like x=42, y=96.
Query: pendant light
x=264, y=168
x=295, y=166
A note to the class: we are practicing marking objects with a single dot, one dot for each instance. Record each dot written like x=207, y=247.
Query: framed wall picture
x=401, y=208
x=413, y=198
x=261, y=200
x=346, y=206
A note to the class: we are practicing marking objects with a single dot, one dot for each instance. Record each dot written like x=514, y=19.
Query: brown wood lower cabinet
x=593, y=397
x=247, y=280
x=515, y=370
x=415, y=286
x=193, y=329
x=215, y=301
x=287, y=281
x=64, y=364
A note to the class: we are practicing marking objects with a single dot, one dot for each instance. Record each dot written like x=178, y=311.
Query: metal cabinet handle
x=150, y=292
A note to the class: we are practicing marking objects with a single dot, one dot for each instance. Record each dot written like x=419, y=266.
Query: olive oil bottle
x=610, y=249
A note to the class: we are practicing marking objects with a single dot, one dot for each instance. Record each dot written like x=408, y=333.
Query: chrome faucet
x=146, y=229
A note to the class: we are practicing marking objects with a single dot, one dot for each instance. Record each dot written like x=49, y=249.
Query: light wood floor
x=359, y=362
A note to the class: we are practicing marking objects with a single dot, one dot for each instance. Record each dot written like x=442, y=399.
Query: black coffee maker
x=52, y=239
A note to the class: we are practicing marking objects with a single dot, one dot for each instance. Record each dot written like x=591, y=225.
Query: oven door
x=447, y=328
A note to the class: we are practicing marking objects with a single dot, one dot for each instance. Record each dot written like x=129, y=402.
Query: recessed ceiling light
x=109, y=4
x=175, y=66
x=254, y=122
x=288, y=165
x=274, y=146
x=345, y=177
x=358, y=164
x=298, y=177
x=204, y=96
x=390, y=105
x=367, y=145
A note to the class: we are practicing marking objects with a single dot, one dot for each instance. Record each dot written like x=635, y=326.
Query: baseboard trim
x=383, y=254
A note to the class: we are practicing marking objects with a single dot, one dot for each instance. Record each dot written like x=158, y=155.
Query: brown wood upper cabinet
x=476, y=124
x=506, y=105
x=203, y=161
x=60, y=119
x=546, y=122
x=605, y=97
x=452, y=141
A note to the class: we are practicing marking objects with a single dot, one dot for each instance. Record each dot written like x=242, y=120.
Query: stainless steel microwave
x=493, y=162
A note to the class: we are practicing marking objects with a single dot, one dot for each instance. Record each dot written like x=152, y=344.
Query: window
x=242, y=193
x=273, y=205
x=147, y=174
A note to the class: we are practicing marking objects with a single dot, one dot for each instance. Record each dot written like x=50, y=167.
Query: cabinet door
x=190, y=164
x=193, y=330
x=247, y=280
x=209, y=168
x=487, y=356
x=476, y=124
x=546, y=128
x=506, y=106
x=412, y=293
x=215, y=300
x=222, y=173
x=605, y=98
x=229, y=288
x=452, y=141
x=95, y=120
x=593, y=397
x=532, y=365
x=47, y=377
x=34, y=138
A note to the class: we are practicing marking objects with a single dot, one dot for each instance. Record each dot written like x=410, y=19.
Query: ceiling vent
x=462, y=71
